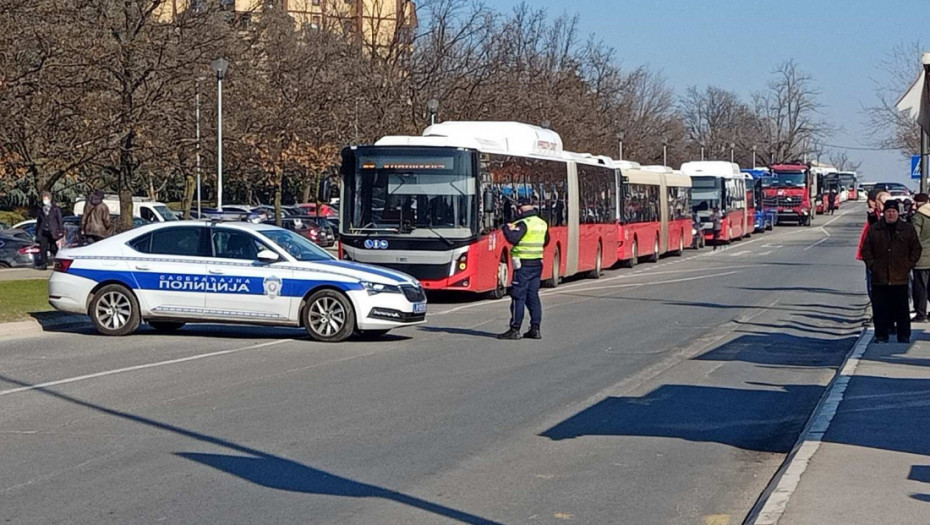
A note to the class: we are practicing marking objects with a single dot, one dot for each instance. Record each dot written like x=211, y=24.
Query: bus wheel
x=501, y=289
x=681, y=245
x=634, y=259
x=655, y=252
x=598, y=264
x=556, y=268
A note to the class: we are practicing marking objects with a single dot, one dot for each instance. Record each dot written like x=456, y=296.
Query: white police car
x=169, y=274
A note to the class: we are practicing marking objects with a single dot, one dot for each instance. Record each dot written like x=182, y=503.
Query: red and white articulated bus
x=655, y=212
x=433, y=205
x=720, y=184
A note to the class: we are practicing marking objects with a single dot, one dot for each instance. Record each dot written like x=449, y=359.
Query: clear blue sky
x=734, y=44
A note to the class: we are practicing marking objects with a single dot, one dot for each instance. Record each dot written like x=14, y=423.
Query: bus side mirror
x=323, y=190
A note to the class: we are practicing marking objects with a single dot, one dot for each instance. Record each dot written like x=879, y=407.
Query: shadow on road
x=761, y=420
x=761, y=417
x=269, y=470
x=458, y=331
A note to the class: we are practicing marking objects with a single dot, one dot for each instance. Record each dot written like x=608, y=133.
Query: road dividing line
x=635, y=285
x=818, y=243
x=789, y=475
x=140, y=367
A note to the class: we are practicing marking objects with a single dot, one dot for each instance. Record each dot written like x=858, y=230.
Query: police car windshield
x=298, y=247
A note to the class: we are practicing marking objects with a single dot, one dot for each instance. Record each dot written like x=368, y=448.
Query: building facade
x=378, y=23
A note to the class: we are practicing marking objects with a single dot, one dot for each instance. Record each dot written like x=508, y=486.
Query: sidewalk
x=871, y=463
x=22, y=274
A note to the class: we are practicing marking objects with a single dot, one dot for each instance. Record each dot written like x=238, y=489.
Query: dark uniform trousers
x=525, y=294
x=889, y=303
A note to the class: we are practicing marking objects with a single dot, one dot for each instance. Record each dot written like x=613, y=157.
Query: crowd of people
x=895, y=247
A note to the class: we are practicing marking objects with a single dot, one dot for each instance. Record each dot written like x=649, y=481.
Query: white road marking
x=818, y=243
x=763, y=254
x=654, y=283
x=811, y=437
x=140, y=367
x=738, y=254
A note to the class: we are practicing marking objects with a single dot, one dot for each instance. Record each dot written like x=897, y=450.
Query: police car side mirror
x=268, y=256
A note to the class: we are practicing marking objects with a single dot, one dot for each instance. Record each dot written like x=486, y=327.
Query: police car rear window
x=185, y=241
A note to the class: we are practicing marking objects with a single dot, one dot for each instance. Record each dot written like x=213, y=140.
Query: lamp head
x=432, y=105
x=220, y=65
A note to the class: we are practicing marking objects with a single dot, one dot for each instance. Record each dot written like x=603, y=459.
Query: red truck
x=789, y=194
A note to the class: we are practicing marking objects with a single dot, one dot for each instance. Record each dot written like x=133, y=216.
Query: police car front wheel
x=329, y=316
x=115, y=310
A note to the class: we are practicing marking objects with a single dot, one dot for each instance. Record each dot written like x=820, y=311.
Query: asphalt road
x=669, y=393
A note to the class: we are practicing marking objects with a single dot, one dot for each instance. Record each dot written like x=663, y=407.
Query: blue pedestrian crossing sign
x=915, y=167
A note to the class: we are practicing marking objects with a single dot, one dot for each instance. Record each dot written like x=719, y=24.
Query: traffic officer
x=528, y=234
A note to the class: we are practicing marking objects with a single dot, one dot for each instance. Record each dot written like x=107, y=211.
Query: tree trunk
x=308, y=187
x=278, y=189
x=124, y=181
x=190, y=190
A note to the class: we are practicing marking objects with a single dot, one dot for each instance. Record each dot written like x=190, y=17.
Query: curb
x=773, y=502
x=50, y=322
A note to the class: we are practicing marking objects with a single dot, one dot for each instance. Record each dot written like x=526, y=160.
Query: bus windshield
x=419, y=193
x=790, y=180
x=706, y=193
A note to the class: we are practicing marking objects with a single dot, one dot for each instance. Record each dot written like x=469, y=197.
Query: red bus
x=432, y=206
x=720, y=184
x=655, y=212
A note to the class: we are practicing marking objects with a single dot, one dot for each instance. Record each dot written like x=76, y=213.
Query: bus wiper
x=374, y=230
x=441, y=238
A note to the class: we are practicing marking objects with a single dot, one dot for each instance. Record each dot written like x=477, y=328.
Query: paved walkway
x=22, y=274
x=872, y=462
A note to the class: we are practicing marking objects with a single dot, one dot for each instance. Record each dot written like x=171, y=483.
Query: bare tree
x=840, y=161
x=889, y=127
x=789, y=112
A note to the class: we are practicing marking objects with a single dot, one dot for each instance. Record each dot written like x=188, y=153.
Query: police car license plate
x=419, y=308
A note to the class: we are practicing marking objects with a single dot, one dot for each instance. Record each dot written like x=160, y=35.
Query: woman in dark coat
x=49, y=229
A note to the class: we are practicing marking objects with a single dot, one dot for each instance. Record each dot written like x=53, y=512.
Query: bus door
x=663, y=214
x=571, y=258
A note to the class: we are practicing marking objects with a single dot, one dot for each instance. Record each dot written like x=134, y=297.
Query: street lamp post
x=753, y=157
x=219, y=66
x=924, y=137
x=665, y=151
x=432, y=105
x=732, y=155
x=620, y=141
x=197, y=104
x=702, y=151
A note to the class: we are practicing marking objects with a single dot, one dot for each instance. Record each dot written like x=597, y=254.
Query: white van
x=147, y=209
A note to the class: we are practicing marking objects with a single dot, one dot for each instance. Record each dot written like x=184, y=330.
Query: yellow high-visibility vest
x=532, y=244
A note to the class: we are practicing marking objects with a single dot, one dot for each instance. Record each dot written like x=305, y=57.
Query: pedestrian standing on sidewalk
x=529, y=235
x=50, y=228
x=873, y=213
x=921, y=273
x=891, y=250
x=831, y=201
x=717, y=224
x=95, y=223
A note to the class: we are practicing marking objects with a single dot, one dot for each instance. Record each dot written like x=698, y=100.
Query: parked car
x=326, y=210
x=235, y=212
x=313, y=228
x=896, y=189
x=16, y=252
x=151, y=211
